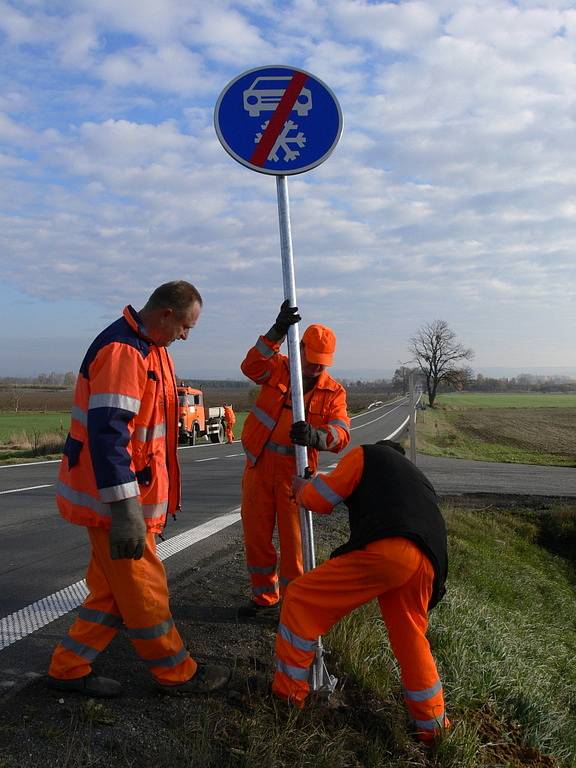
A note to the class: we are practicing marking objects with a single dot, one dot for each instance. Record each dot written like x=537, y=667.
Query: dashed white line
x=30, y=488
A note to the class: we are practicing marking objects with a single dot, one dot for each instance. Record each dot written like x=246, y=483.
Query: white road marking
x=212, y=458
x=30, y=488
x=377, y=419
x=29, y=464
x=22, y=623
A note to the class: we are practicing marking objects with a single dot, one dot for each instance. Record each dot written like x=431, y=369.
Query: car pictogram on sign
x=265, y=94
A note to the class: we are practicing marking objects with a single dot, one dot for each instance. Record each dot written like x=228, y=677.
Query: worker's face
x=309, y=370
x=173, y=324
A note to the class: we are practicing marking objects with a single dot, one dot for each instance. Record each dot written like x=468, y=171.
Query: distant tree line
x=52, y=379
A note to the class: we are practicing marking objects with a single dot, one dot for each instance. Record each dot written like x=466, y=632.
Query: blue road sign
x=278, y=120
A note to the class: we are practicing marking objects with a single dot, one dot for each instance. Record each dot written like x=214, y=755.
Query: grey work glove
x=302, y=433
x=286, y=317
x=128, y=531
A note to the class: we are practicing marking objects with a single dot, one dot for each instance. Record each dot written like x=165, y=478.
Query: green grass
x=504, y=639
x=13, y=424
x=505, y=400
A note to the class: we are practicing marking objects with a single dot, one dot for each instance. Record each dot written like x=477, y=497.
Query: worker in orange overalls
x=230, y=420
x=397, y=553
x=120, y=478
x=268, y=439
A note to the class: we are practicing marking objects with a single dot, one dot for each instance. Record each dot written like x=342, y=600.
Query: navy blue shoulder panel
x=120, y=332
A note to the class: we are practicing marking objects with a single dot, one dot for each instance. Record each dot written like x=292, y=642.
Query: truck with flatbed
x=194, y=423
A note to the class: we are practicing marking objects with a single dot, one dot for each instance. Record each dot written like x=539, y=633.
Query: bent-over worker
x=120, y=478
x=268, y=439
x=397, y=553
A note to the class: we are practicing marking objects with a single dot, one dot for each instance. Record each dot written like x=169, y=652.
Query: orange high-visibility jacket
x=123, y=434
x=229, y=415
x=326, y=410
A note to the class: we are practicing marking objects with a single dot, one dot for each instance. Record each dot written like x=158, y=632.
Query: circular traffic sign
x=278, y=120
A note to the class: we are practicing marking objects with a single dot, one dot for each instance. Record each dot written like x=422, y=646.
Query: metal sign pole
x=320, y=679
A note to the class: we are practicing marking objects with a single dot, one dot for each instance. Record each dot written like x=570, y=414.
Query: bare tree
x=437, y=351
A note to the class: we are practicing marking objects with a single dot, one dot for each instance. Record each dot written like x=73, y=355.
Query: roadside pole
x=412, y=419
x=289, y=125
x=321, y=680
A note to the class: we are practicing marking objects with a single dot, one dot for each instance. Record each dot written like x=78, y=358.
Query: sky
x=451, y=194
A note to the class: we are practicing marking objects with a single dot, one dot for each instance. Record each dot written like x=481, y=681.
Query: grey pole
x=412, y=419
x=320, y=679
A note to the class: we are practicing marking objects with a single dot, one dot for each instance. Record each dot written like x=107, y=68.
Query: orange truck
x=194, y=423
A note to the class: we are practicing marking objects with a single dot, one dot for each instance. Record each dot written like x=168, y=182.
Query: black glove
x=286, y=317
x=128, y=530
x=302, y=433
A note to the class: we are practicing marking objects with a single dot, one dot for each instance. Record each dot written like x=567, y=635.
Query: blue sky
x=451, y=195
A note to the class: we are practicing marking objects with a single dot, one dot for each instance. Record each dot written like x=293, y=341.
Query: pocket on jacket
x=144, y=476
x=72, y=448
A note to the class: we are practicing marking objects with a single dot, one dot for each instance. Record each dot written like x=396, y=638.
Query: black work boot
x=208, y=677
x=90, y=685
x=254, y=610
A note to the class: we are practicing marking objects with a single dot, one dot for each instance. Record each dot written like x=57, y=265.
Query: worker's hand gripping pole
x=320, y=680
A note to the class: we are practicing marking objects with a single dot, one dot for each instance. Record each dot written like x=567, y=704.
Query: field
x=527, y=429
x=504, y=400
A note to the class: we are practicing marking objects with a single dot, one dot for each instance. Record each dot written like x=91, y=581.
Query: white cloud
x=452, y=192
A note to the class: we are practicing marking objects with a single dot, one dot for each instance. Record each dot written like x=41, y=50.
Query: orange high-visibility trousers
x=133, y=593
x=229, y=434
x=396, y=572
x=267, y=501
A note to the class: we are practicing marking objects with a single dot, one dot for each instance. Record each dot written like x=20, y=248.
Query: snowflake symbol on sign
x=284, y=141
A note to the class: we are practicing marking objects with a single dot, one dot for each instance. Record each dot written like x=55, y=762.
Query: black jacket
x=394, y=498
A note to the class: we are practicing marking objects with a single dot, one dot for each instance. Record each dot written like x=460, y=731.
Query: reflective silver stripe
x=324, y=490
x=262, y=379
x=425, y=693
x=340, y=423
x=149, y=633
x=431, y=725
x=146, y=434
x=81, y=499
x=119, y=492
x=80, y=649
x=262, y=416
x=99, y=617
x=335, y=435
x=167, y=661
x=273, y=590
x=78, y=414
x=114, y=400
x=285, y=450
x=298, y=642
x=152, y=511
x=263, y=348
x=262, y=569
x=296, y=673
x=250, y=456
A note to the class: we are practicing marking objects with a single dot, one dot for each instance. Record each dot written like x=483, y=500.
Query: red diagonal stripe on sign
x=281, y=114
